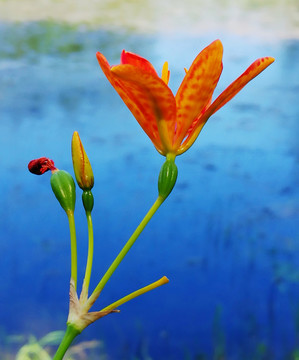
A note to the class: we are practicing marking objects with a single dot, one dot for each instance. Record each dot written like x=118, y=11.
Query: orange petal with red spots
x=129, y=99
x=197, y=87
x=136, y=60
x=254, y=69
x=154, y=99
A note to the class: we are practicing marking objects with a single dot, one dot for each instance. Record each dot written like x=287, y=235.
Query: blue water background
x=227, y=237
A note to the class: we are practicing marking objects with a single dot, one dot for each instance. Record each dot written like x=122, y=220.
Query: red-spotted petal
x=252, y=71
x=197, y=87
x=129, y=99
x=154, y=100
x=138, y=61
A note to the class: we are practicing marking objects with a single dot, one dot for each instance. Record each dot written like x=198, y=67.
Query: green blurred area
x=273, y=19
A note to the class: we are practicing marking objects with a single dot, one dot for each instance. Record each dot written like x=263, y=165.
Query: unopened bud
x=81, y=164
x=63, y=186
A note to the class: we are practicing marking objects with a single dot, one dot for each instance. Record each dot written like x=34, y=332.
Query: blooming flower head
x=174, y=122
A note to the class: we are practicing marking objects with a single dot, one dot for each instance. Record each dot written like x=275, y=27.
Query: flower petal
x=197, y=87
x=129, y=99
x=138, y=61
x=41, y=165
x=154, y=101
x=252, y=71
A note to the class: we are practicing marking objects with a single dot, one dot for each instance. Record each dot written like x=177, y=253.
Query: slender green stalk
x=69, y=336
x=70, y=215
x=123, y=252
x=136, y=293
x=86, y=281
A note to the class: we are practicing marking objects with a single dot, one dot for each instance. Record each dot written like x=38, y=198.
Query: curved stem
x=86, y=281
x=123, y=252
x=69, y=336
x=70, y=215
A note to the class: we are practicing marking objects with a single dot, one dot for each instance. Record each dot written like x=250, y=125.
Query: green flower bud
x=63, y=186
x=167, y=178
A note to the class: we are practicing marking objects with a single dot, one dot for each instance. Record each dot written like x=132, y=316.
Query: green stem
x=123, y=252
x=86, y=281
x=136, y=293
x=69, y=336
x=70, y=215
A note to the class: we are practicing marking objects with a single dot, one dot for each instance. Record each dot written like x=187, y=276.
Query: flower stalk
x=69, y=336
x=73, y=238
x=96, y=293
x=86, y=281
x=164, y=280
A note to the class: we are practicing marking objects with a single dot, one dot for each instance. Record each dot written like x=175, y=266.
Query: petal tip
x=123, y=57
x=218, y=43
x=264, y=62
x=100, y=57
x=271, y=59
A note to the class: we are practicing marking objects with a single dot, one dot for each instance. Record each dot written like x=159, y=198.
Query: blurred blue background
x=227, y=237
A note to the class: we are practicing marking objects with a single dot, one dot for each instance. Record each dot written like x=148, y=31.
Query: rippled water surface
x=227, y=237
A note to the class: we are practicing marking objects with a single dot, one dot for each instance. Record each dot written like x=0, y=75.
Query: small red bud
x=41, y=165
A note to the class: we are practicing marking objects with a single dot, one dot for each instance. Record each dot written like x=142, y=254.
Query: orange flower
x=174, y=122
